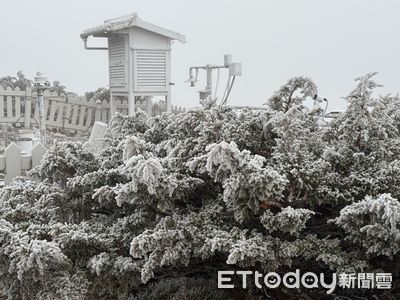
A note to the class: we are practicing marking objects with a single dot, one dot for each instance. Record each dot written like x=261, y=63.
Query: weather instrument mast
x=40, y=85
x=235, y=69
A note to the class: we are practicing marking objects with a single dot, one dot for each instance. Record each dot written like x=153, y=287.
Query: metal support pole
x=131, y=89
x=209, y=78
x=168, y=98
x=41, y=84
x=113, y=105
x=42, y=117
x=131, y=103
x=149, y=105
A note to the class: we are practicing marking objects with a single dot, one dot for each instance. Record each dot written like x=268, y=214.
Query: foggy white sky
x=331, y=41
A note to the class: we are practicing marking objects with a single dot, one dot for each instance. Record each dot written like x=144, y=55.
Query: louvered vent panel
x=151, y=69
x=117, y=58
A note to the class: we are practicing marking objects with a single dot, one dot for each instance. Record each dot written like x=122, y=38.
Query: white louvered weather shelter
x=139, y=56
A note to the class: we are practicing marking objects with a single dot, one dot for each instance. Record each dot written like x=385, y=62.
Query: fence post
x=28, y=107
x=96, y=139
x=1, y=102
x=65, y=111
x=9, y=103
x=98, y=110
x=37, y=153
x=5, y=130
x=13, y=163
x=149, y=105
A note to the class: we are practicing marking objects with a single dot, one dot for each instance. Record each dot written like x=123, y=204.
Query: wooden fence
x=62, y=112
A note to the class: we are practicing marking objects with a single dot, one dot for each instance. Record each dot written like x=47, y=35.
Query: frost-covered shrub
x=373, y=223
x=122, y=126
x=245, y=181
x=65, y=160
x=294, y=92
x=289, y=220
x=175, y=198
x=184, y=288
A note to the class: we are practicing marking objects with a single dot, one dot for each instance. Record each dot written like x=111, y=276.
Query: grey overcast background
x=331, y=41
